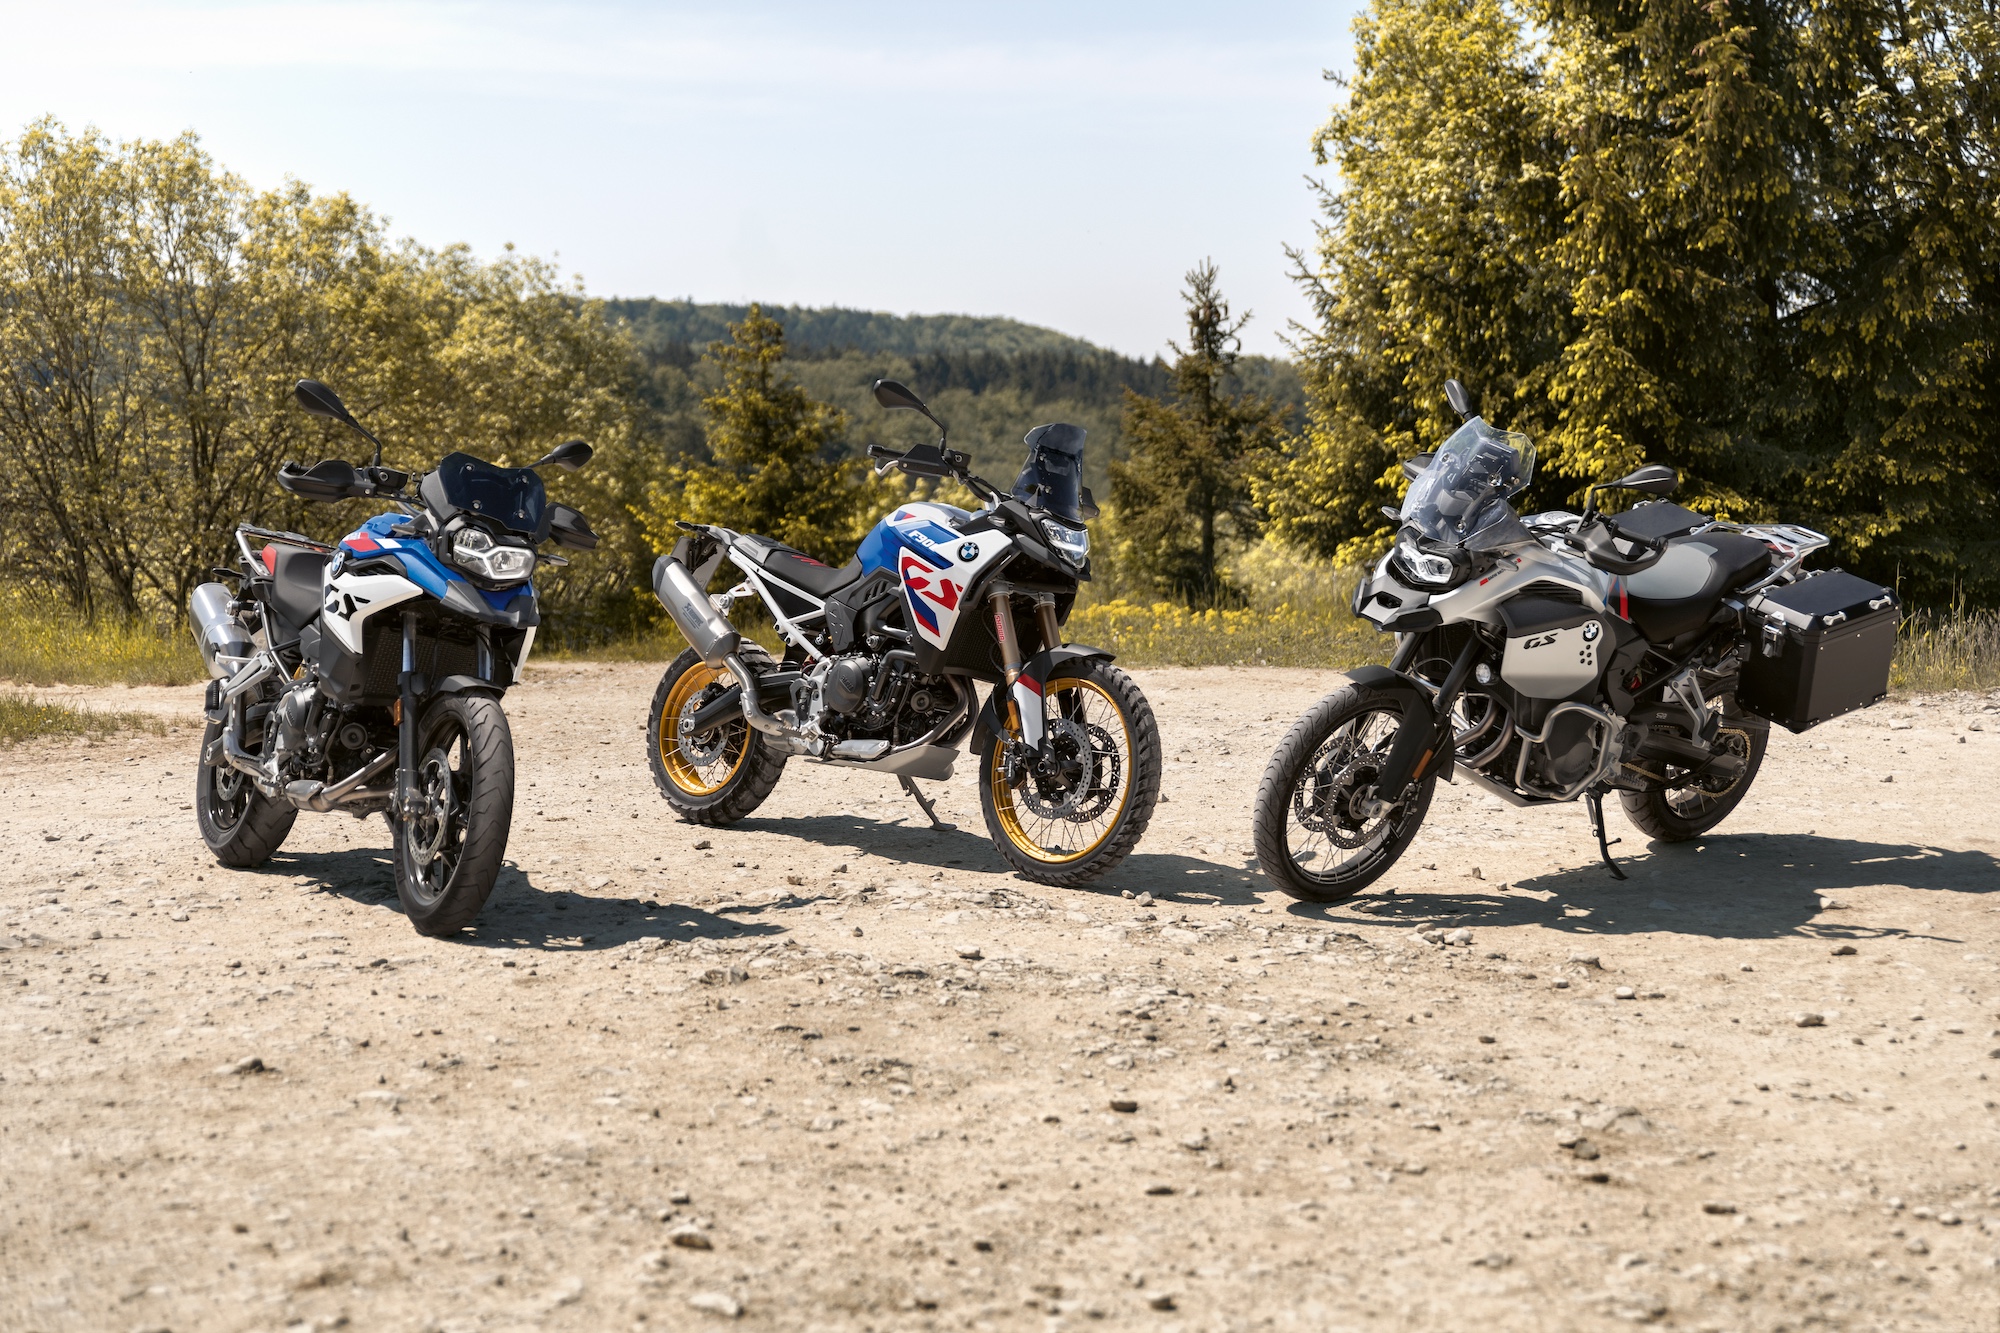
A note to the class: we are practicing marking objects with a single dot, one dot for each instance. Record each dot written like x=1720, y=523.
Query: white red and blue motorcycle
x=883, y=657
x=366, y=676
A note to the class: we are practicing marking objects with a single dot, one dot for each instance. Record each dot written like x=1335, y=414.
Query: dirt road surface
x=831, y=1070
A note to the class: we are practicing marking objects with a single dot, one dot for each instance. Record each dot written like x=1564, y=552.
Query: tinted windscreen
x=1052, y=481
x=511, y=496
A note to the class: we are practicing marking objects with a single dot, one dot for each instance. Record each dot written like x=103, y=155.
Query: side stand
x=1596, y=802
x=930, y=809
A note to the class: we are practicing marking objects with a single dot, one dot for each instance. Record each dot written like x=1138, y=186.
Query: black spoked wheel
x=240, y=824
x=1322, y=834
x=449, y=853
x=1685, y=806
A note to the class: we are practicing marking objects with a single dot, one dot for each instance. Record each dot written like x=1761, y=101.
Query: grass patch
x=25, y=718
x=1954, y=650
x=43, y=647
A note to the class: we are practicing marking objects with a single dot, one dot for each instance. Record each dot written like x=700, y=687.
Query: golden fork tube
x=1045, y=616
x=1010, y=652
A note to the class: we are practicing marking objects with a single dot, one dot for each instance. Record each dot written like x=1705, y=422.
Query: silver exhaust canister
x=712, y=636
x=223, y=641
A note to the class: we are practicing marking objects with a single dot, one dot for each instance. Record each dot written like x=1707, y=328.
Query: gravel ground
x=830, y=1069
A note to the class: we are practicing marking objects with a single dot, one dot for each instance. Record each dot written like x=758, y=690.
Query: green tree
x=1183, y=489
x=773, y=467
x=1757, y=242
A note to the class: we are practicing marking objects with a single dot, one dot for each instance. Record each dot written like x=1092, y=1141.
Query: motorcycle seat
x=802, y=571
x=1679, y=593
x=298, y=580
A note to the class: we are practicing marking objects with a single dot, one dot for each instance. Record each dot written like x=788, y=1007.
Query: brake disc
x=1061, y=795
x=709, y=747
x=433, y=822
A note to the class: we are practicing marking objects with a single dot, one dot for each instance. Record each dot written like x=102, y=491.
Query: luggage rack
x=1792, y=543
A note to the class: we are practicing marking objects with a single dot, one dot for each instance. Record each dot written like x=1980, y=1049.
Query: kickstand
x=1596, y=803
x=930, y=810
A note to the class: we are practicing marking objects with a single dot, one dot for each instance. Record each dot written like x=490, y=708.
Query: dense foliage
x=1757, y=241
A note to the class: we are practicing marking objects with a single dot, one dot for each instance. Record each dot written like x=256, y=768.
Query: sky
x=1063, y=164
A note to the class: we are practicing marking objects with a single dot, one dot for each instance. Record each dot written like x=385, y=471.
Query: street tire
x=449, y=854
x=240, y=824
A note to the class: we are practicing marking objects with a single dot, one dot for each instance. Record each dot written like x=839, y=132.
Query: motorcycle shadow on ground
x=523, y=915
x=914, y=851
x=1725, y=886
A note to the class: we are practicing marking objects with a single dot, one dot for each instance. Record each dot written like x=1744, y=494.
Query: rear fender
x=1035, y=673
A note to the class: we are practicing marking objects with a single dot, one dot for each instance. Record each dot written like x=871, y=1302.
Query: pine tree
x=772, y=472
x=1184, y=489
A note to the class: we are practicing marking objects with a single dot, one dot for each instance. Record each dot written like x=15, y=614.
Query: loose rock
x=715, y=1302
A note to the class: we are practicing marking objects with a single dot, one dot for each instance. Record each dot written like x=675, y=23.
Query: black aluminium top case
x=1822, y=648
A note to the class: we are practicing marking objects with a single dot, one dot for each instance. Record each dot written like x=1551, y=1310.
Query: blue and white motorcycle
x=367, y=676
x=883, y=657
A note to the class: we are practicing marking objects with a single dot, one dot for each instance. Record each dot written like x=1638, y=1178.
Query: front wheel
x=448, y=853
x=1320, y=836
x=1071, y=815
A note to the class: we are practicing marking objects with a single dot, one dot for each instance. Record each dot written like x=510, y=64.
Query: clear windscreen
x=1465, y=489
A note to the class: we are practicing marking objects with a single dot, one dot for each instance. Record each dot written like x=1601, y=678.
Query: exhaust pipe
x=223, y=641
x=712, y=636
x=322, y=797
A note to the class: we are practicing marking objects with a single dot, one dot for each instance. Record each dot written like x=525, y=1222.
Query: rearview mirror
x=568, y=456
x=890, y=394
x=1460, y=400
x=321, y=401
x=1653, y=479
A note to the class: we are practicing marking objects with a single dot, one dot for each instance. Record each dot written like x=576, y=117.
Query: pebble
x=970, y=952
x=1459, y=936
x=1809, y=1020
x=1124, y=1104
x=1160, y=1300
x=1144, y=899
x=1843, y=951
x=703, y=845
x=1584, y=1150
x=688, y=1238
x=249, y=1064
x=1624, y=993
x=1585, y=960
x=1159, y=1189
x=715, y=1302
x=1718, y=1209
x=178, y=914
x=1918, y=1245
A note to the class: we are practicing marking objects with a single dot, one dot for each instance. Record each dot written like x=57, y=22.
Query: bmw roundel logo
x=1591, y=629
x=969, y=551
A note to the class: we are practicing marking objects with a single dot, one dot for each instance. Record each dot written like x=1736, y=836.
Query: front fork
x=406, y=723
x=1025, y=716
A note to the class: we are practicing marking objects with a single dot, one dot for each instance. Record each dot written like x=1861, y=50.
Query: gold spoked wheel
x=700, y=765
x=1066, y=810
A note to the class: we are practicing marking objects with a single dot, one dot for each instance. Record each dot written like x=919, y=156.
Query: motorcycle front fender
x=1417, y=739
x=1035, y=674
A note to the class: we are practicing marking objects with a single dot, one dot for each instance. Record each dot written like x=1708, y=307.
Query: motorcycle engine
x=1569, y=753
x=837, y=685
x=293, y=718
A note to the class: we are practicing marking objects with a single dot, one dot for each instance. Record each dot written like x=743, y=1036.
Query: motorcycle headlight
x=474, y=551
x=1423, y=569
x=1072, y=544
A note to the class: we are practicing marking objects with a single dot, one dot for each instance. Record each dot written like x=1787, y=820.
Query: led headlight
x=474, y=551
x=1072, y=544
x=1421, y=568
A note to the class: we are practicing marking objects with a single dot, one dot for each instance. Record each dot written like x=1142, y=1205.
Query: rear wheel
x=1318, y=835
x=450, y=852
x=719, y=775
x=240, y=824
x=1684, y=808
x=1074, y=814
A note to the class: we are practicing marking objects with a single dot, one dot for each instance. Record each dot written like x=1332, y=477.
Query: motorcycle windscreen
x=513, y=497
x=1466, y=486
x=1052, y=480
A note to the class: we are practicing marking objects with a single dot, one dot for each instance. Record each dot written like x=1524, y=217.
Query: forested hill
x=992, y=378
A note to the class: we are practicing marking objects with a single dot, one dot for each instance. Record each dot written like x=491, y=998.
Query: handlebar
x=1598, y=541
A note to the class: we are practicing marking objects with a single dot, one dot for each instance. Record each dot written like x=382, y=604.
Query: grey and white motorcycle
x=1563, y=656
